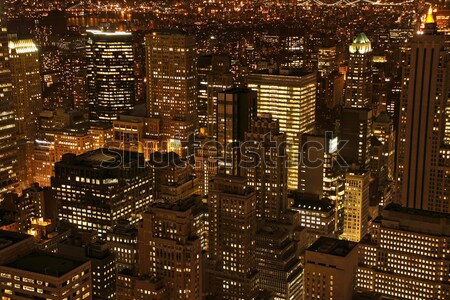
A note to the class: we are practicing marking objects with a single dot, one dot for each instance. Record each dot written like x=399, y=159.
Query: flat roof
x=332, y=246
x=323, y=204
x=100, y=32
x=46, y=263
x=101, y=157
x=8, y=238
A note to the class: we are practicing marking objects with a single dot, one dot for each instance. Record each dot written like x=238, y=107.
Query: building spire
x=430, y=17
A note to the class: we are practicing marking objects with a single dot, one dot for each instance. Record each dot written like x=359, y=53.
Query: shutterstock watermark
x=267, y=151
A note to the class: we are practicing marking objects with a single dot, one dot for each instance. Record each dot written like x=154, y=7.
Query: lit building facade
x=96, y=189
x=326, y=61
x=232, y=237
x=172, y=85
x=169, y=248
x=110, y=74
x=265, y=167
x=330, y=265
x=358, y=91
x=423, y=172
x=46, y=275
x=407, y=255
x=27, y=91
x=8, y=144
x=291, y=99
x=356, y=205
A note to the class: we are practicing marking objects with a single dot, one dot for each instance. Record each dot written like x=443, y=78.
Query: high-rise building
x=265, y=167
x=279, y=268
x=206, y=163
x=122, y=241
x=355, y=131
x=406, y=256
x=358, y=91
x=45, y=275
x=423, y=167
x=356, y=205
x=96, y=189
x=232, y=236
x=172, y=85
x=169, y=248
x=110, y=74
x=213, y=76
x=329, y=269
x=8, y=144
x=235, y=109
x=290, y=97
x=27, y=92
x=326, y=61
x=320, y=173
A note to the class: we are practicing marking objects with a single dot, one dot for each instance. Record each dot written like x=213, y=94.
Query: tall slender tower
x=422, y=157
x=27, y=92
x=359, y=76
x=110, y=74
x=8, y=144
x=171, y=83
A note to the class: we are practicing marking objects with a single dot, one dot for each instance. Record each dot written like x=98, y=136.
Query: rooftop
x=332, y=246
x=102, y=157
x=323, y=204
x=46, y=263
x=8, y=238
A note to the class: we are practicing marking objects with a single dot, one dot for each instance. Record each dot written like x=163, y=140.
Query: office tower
x=326, y=61
x=172, y=85
x=206, y=164
x=122, y=241
x=71, y=140
x=318, y=216
x=320, y=173
x=406, y=256
x=356, y=205
x=174, y=179
x=45, y=275
x=22, y=208
x=329, y=269
x=290, y=97
x=26, y=92
x=232, y=234
x=355, y=134
x=8, y=145
x=235, y=109
x=25, y=157
x=110, y=74
x=264, y=166
x=44, y=159
x=86, y=247
x=383, y=131
x=170, y=249
x=213, y=76
x=279, y=268
x=96, y=189
x=422, y=159
x=331, y=92
x=358, y=91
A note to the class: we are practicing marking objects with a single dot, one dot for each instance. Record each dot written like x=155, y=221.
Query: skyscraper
x=96, y=189
x=214, y=75
x=326, y=61
x=110, y=74
x=265, y=166
x=27, y=92
x=290, y=97
x=356, y=205
x=423, y=166
x=172, y=85
x=169, y=248
x=8, y=145
x=358, y=91
x=232, y=235
x=235, y=109
x=355, y=134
